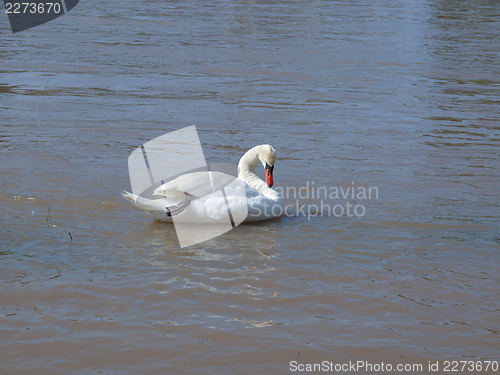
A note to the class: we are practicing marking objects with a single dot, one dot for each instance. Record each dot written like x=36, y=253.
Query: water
x=402, y=96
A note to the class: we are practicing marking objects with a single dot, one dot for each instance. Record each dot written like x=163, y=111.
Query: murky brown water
x=392, y=95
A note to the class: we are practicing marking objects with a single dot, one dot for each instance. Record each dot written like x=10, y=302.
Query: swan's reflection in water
x=237, y=262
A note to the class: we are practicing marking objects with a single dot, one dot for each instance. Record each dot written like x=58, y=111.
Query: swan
x=196, y=197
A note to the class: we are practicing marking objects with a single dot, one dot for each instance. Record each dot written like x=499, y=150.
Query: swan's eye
x=270, y=167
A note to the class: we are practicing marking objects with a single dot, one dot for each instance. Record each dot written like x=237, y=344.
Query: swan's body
x=197, y=196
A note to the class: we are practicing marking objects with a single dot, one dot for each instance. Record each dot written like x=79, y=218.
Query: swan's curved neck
x=246, y=168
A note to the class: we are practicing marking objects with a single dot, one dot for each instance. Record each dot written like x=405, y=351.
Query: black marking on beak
x=269, y=175
x=270, y=167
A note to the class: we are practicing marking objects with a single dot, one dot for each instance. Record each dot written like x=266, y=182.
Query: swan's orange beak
x=269, y=175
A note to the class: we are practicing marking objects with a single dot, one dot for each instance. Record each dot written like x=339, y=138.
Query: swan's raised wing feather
x=198, y=184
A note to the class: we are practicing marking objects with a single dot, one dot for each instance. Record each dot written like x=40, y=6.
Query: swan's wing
x=198, y=184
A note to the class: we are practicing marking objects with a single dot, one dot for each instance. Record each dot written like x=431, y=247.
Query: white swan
x=197, y=196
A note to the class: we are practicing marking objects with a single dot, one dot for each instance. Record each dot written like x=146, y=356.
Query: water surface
x=402, y=96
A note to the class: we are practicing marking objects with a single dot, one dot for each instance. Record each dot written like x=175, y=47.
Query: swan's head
x=267, y=156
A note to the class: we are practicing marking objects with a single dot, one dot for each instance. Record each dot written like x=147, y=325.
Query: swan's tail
x=129, y=196
x=153, y=207
x=160, y=209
